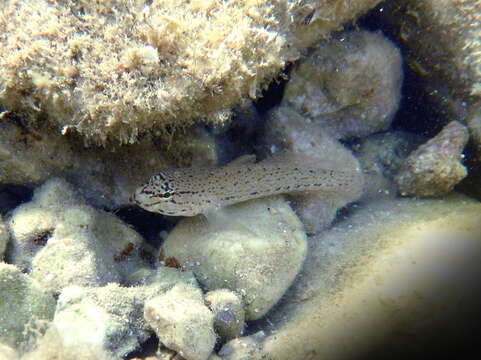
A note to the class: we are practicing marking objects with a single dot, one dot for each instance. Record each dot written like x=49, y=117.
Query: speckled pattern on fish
x=193, y=191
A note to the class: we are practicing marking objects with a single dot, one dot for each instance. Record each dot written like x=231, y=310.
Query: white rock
x=182, y=322
x=61, y=241
x=110, y=318
x=7, y=353
x=24, y=307
x=395, y=271
x=255, y=248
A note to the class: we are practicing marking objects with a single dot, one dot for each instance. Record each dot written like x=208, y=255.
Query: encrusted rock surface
x=228, y=312
x=110, y=318
x=435, y=167
x=61, y=241
x=112, y=71
x=381, y=156
x=104, y=177
x=7, y=352
x=254, y=248
x=350, y=85
x=442, y=39
x=386, y=280
x=182, y=322
x=51, y=346
x=25, y=307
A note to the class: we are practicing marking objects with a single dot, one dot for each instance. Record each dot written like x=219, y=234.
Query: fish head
x=163, y=194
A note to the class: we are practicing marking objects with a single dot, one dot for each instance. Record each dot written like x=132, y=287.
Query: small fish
x=193, y=191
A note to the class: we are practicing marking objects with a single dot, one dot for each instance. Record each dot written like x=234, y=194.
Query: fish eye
x=167, y=195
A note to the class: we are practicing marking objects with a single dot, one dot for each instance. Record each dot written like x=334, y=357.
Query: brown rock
x=435, y=167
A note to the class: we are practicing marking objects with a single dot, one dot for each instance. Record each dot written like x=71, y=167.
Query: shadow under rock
x=13, y=195
x=147, y=224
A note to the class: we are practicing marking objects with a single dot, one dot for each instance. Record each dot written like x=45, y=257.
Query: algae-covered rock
x=442, y=42
x=25, y=307
x=287, y=130
x=182, y=322
x=390, y=279
x=228, y=311
x=110, y=318
x=107, y=318
x=3, y=238
x=61, y=241
x=255, y=248
x=110, y=71
x=244, y=348
x=7, y=352
x=350, y=85
x=381, y=156
x=435, y=167
x=104, y=177
x=162, y=276
x=51, y=346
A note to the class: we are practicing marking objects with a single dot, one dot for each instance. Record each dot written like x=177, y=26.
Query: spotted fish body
x=193, y=191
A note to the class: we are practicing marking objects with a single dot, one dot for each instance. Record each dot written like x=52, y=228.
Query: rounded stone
x=255, y=248
x=228, y=312
x=182, y=322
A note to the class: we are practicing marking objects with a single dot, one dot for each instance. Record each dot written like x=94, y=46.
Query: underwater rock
x=162, y=276
x=228, y=312
x=350, y=85
x=106, y=318
x=51, y=347
x=104, y=177
x=7, y=353
x=111, y=318
x=61, y=241
x=435, y=167
x=212, y=356
x=182, y=322
x=112, y=72
x=3, y=238
x=442, y=42
x=473, y=122
x=163, y=353
x=381, y=156
x=244, y=348
x=192, y=147
x=254, y=248
x=24, y=307
x=286, y=129
x=388, y=279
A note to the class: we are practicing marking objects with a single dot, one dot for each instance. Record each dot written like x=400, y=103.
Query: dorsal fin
x=324, y=161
